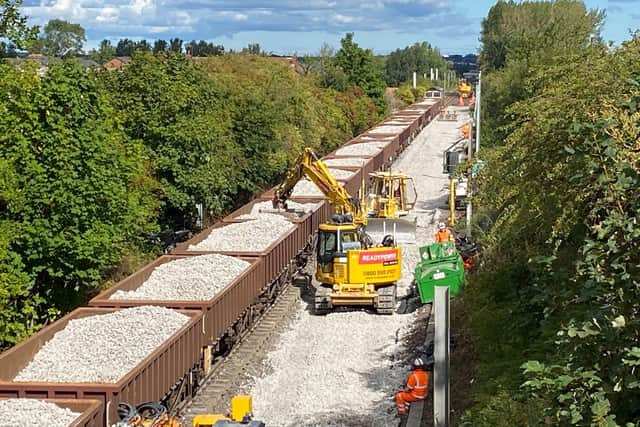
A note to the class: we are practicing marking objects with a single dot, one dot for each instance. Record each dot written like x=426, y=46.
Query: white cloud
x=208, y=19
x=108, y=14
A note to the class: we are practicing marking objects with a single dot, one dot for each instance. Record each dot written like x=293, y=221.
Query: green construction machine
x=440, y=265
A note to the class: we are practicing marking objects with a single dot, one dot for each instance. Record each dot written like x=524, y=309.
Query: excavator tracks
x=322, y=300
x=386, y=299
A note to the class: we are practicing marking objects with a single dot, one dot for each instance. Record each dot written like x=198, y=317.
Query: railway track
x=227, y=376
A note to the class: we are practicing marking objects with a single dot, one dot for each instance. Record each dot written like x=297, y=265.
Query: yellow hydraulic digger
x=240, y=416
x=350, y=269
x=392, y=196
x=464, y=89
x=155, y=414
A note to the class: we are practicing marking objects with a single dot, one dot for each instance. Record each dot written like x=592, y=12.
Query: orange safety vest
x=465, y=130
x=417, y=383
x=443, y=235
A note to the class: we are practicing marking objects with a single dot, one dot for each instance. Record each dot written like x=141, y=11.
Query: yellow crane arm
x=312, y=167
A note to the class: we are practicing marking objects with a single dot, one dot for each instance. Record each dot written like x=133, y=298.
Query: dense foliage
x=554, y=304
x=77, y=196
x=13, y=26
x=361, y=69
x=419, y=58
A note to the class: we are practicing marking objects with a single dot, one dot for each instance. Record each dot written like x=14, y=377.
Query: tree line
x=554, y=304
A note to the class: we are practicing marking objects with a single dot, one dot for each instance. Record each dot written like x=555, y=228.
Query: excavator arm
x=310, y=166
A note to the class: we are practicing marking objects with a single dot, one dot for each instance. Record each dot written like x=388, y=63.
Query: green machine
x=440, y=265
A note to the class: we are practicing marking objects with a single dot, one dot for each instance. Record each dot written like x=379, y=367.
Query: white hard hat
x=418, y=362
x=441, y=225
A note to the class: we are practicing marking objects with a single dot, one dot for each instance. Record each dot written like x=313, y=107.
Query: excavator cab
x=351, y=273
x=392, y=196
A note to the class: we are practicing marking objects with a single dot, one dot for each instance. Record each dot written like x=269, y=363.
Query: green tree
x=518, y=36
x=106, y=51
x=419, y=58
x=160, y=46
x=168, y=105
x=359, y=66
x=556, y=293
x=19, y=306
x=253, y=49
x=62, y=38
x=83, y=197
x=324, y=65
x=13, y=25
x=175, y=45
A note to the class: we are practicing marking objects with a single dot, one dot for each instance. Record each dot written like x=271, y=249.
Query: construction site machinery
x=241, y=416
x=464, y=89
x=151, y=414
x=351, y=271
x=434, y=92
x=392, y=195
x=440, y=265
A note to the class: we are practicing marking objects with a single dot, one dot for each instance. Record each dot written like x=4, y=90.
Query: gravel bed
x=34, y=413
x=251, y=236
x=102, y=348
x=306, y=188
x=197, y=278
x=361, y=149
x=387, y=129
x=346, y=161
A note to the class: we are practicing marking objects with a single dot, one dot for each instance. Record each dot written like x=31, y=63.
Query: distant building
x=290, y=61
x=88, y=63
x=117, y=63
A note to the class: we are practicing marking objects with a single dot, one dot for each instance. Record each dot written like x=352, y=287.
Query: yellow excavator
x=350, y=269
x=392, y=195
x=241, y=415
x=155, y=414
x=464, y=89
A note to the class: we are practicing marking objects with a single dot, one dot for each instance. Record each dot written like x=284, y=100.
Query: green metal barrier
x=440, y=265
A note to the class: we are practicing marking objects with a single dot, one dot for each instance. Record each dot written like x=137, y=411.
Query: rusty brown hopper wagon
x=148, y=381
x=218, y=312
x=90, y=411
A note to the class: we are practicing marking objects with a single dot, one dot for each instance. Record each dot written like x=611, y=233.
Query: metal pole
x=414, y=79
x=452, y=201
x=441, y=356
x=469, y=207
x=479, y=91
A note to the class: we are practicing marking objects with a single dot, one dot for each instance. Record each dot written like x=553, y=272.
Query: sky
x=289, y=27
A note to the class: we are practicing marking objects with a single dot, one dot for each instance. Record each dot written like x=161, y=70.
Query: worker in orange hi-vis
x=416, y=388
x=443, y=234
x=466, y=130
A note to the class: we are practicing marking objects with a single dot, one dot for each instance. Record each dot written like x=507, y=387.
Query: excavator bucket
x=403, y=229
